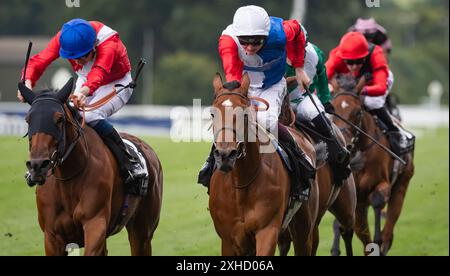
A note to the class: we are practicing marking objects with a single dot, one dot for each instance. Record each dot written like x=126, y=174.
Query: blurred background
x=179, y=39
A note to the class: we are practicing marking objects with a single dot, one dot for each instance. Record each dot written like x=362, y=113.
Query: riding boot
x=131, y=169
x=396, y=139
x=302, y=170
x=339, y=155
x=206, y=172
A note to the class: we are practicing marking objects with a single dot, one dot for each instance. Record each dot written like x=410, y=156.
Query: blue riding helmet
x=77, y=39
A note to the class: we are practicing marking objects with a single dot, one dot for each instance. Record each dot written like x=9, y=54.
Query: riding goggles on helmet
x=252, y=40
x=355, y=61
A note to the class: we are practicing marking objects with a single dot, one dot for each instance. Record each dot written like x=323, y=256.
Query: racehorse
x=339, y=200
x=379, y=179
x=250, y=190
x=81, y=197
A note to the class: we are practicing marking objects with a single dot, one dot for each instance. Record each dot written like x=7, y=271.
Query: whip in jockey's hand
x=302, y=78
x=27, y=84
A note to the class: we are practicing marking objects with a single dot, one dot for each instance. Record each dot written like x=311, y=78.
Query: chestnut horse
x=379, y=179
x=250, y=190
x=340, y=201
x=81, y=197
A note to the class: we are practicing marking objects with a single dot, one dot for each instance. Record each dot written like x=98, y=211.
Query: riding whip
x=30, y=45
x=371, y=138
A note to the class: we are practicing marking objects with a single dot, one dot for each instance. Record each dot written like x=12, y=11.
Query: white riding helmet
x=251, y=21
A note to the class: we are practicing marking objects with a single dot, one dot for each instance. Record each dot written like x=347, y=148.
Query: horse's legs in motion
x=378, y=201
x=54, y=245
x=362, y=225
x=140, y=230
x=394, y=209
x=95, y=236
x=301, y=231
x=315, y=240
x=227, y=249
x=284, y=242
x=266, y=241
x=344, y=211
x=335, y=250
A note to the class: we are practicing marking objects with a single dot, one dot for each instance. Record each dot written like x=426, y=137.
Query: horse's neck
x=370, y=127
x=248, y=165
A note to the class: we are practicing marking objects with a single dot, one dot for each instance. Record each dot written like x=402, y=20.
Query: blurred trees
x=186, y=34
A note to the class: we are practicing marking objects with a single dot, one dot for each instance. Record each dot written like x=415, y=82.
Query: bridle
x=359, y=119
x=62, y=151
x=242, y=151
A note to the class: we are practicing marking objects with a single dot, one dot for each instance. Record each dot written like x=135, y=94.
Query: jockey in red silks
x=100, y=60
x=377, y=34
x=259, y=45
x=356, y=56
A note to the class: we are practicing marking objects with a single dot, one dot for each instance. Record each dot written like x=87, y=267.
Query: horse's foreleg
x=266, y=241
x=378, y=201
x=284, y=243
x=393, y=213
x=95, y=236
x=54, y=245
x=362, y=225
x=335, y=249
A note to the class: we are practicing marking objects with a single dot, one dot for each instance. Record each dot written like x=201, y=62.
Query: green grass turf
x=186, y=227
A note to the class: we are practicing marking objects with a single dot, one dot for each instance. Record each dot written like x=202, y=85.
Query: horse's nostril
x=46, y=164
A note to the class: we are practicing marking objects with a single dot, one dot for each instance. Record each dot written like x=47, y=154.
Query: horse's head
x=46, y=129
x=348, y=104
x=230, y=114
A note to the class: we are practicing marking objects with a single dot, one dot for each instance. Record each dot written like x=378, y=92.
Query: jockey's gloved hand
x=232, y=85
x=329, y=108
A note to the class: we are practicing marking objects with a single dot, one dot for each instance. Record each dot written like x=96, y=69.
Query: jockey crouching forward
x=259, y=45
x=306, y=110
x=377, y=34
x=356, y=56
x=101, y=62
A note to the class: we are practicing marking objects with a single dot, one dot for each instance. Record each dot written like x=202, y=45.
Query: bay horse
x=81, y=197
x=339, y=200
x=250, y=190
x=379, y=179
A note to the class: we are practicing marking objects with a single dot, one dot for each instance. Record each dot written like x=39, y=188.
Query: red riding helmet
x=353, y=46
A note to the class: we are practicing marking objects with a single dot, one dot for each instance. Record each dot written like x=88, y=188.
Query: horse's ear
x=26, y=93
x=217, y=83
x=245, y=85
x=361, y=83
x=65, y=92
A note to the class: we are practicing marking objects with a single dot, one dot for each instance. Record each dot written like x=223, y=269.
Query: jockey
x=259, y=45
x=377, y=34
x=100, y=60
x=356, y=56
x=306, y=111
